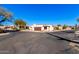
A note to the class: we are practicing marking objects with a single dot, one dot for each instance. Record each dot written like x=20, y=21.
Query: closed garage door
x=37, y=28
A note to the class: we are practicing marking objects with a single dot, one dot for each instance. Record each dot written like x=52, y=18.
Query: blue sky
x=45, y=13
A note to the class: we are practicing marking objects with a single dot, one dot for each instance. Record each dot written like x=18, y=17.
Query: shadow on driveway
x=61, y=38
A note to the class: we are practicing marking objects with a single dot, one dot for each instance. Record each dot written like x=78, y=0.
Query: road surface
x=33, y=43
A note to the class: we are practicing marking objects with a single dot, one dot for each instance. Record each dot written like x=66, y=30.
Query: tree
x=5, y=15
x=1, y=24
x=56, y=28
x=20, y=23
x=59, y=25
x=65, y=26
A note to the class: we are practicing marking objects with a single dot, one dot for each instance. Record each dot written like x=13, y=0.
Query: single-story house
x=68, y=28
x=9, y=27
x=38, y=27
x=2, y=27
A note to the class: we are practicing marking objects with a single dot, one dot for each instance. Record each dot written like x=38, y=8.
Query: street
x=33, y=43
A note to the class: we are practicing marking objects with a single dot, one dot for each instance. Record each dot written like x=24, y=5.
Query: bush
x=13, y=28
x=65, y=26
x=56, y=28
x=1, y=31
x=73, y=28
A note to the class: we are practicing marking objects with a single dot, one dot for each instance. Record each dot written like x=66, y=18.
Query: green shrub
x=65, y=26
x=1, y=31
x=56, y=28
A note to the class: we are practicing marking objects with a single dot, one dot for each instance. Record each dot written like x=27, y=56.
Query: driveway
x=33, y=43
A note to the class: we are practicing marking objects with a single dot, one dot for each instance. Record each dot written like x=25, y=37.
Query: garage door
x=37, y=28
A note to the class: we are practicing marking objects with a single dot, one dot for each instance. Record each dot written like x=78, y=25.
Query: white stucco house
x=39, y=27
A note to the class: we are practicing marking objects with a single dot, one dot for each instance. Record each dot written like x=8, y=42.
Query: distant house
x=38, y=27
x=68, y=28
x=27, y=27
x=2, y=27
x=60, y=27
x=11, y=27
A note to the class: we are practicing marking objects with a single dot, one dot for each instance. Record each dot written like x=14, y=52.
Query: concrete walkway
x=2, y=34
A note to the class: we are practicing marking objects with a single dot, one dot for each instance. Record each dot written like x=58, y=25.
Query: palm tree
x=20, y=24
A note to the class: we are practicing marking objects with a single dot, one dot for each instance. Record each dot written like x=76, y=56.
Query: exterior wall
x=42, y=28
x=48, y=28
x=32, y=28
x=51, y=28
x=34, y=25
x=60, y=27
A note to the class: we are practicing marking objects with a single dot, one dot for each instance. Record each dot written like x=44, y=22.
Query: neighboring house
x=11, y=27
x=27, y=27
x=2, y=27
x=37, y=27
x=22, y=27
x=68, y=28
x=60, y=27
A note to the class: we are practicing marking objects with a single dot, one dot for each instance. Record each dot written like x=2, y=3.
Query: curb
x=61, y=38
x=2, y=34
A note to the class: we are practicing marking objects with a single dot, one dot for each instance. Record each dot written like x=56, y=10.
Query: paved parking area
x=33, y=43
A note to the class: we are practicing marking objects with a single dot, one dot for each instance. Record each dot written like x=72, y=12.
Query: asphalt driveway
x=33, y=43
